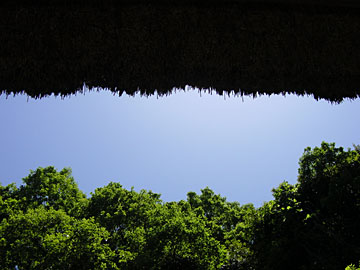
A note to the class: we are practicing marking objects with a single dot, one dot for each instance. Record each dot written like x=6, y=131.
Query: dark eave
x=248, y=47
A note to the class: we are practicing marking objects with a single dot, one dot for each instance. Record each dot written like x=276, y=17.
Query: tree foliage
x=52, y=189
x=313, y=224
x=48, y=223
x=352, y=267
x=50, y=239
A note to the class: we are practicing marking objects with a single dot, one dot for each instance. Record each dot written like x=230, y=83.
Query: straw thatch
x=56, y=46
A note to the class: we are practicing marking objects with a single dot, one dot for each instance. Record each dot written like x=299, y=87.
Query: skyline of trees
x=49, y=223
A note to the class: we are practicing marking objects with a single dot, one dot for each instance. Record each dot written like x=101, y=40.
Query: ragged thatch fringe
x=242, y=46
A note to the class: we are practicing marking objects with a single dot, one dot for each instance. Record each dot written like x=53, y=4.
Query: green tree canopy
x=50, y=188
x=8, y=200
x=313, y=224
x=48, y=223
x=157, y=235
x=50, y=239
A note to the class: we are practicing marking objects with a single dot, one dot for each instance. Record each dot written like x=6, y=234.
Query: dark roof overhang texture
x=241, y=46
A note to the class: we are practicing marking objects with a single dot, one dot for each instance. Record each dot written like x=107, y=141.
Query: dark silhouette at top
x=249, y=47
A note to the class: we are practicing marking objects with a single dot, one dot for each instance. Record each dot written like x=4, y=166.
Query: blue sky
x=240, y=148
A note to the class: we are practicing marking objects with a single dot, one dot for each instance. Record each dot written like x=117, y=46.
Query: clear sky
x=240, y=148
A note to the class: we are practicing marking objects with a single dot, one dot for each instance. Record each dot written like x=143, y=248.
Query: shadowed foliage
x=234, y=46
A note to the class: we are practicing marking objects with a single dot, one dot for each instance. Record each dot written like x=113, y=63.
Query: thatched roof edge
x=236, y=46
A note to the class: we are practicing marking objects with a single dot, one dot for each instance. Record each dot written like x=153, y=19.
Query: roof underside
x=127, y=46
